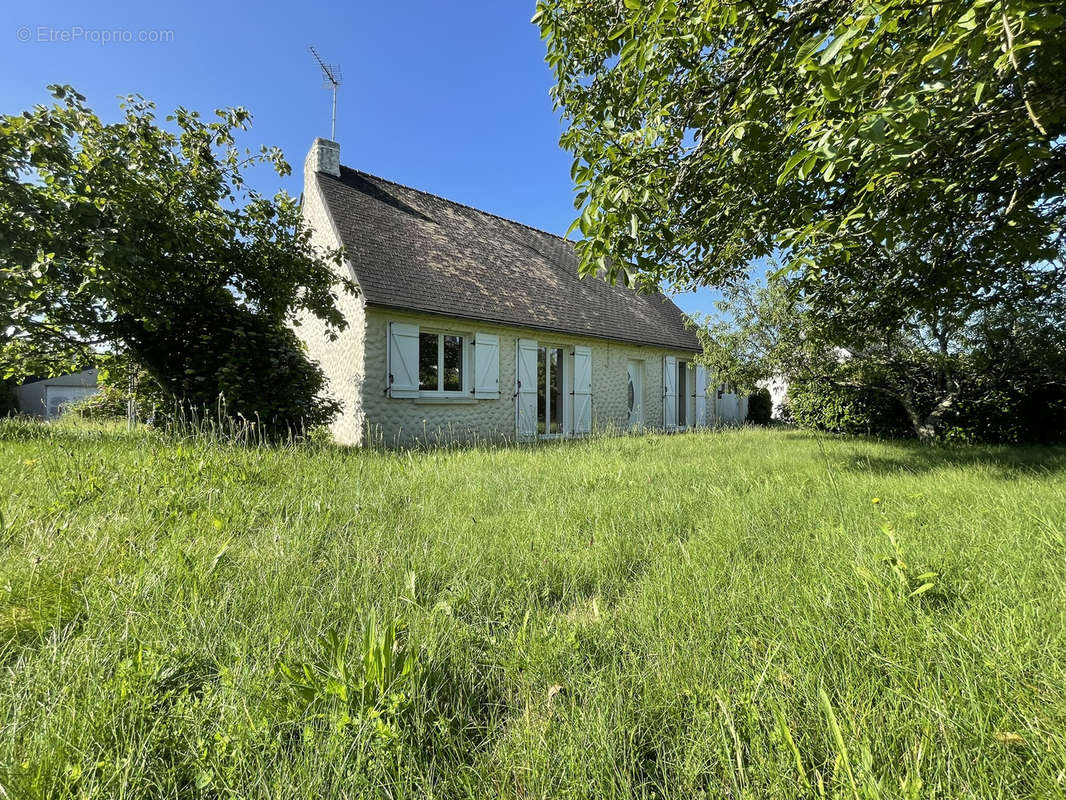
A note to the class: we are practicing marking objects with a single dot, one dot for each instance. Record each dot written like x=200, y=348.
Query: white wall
x=778, y=388
x=730, y=408
x=46, y=398
x=340, y=360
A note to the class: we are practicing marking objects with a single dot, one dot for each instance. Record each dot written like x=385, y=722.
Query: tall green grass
x=706, y=615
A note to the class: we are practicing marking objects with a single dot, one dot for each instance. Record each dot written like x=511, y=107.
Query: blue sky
x=449, y=97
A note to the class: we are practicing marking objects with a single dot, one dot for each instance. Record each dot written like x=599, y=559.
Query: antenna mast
x=332, y=79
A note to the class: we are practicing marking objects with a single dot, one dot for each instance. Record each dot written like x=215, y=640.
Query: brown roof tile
x=413, y=250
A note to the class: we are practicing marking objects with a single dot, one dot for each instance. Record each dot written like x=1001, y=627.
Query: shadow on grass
x=1003, y=461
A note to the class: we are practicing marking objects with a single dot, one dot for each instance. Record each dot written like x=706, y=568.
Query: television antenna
x=331, y=74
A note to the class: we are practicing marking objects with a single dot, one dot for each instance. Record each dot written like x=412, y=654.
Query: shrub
x=1009, y=413
x=760, y=407
x=1012, y=411
x=8, y=406
x=111, y=401
x=252, y=368
x=242, y=368
x=846, y=409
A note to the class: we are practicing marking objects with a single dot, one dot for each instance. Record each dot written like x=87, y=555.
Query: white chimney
x=324, y=156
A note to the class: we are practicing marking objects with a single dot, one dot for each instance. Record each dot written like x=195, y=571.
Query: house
x=48, y=398
x=470, y=326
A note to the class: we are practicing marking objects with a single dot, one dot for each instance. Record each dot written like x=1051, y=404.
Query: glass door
x=682, y=394
x=549, y=391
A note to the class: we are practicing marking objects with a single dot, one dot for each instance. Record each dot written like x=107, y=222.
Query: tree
x=998, y=375
x=708, y=134
x=129, y=236
x=905, y=162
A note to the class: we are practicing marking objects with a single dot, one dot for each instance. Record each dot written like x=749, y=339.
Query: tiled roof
x=416, y=251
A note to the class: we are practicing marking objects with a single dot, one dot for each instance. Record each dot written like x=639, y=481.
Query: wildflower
x=876, y=501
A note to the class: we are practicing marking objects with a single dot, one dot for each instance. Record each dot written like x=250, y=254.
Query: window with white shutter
x=486, y=366
x=403, y=360
x=582, y=390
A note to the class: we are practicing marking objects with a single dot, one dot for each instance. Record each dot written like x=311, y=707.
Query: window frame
x=464, y=367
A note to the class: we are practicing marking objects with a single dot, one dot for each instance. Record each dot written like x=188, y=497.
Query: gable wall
x=342, y=360
x=401, y=421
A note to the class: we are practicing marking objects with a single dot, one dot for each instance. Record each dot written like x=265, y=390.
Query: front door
x=636, y=393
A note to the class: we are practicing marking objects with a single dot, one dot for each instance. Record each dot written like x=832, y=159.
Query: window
x=452, y=358
x=549, y=390
x=441, y=358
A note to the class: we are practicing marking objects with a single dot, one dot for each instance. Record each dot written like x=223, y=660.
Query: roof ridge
x=457, y=203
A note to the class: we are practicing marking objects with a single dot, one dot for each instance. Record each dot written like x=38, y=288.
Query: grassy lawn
x=704, y=615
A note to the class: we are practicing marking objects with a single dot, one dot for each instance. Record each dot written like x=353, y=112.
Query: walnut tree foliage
x=144, y=238
x=903, y=159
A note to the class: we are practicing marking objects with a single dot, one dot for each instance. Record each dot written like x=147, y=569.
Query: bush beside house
x=760, y=407
x=1011, y=411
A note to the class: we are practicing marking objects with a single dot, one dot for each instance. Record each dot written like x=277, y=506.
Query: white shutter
x=582, y=390
x=526, y=389
x=486, y=366
x=669, y=392
x=701, y=395
x=403, y=360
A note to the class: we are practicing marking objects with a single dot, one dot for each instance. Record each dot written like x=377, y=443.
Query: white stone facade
x=403, y=421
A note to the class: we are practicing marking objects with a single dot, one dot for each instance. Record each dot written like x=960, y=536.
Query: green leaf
x=875, y=131
x=968, y=21
x=834, y=46
x=790, y=165
x=805, y=51
x=829, y=89
x=808, y=165
x=1048, y=22
x=939, y=50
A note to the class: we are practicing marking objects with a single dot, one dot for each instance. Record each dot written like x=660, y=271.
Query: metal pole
x=333, y=120
x=129, y=399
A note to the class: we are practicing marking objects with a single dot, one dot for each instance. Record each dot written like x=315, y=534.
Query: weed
x=376, y=686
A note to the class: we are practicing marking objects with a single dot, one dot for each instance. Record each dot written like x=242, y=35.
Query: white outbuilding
x=48, y=398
